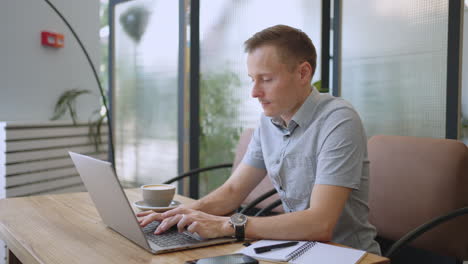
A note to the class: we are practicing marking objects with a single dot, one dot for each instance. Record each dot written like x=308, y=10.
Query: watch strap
x=240, y=232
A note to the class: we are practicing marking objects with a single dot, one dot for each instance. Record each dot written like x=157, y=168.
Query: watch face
x=238, y=219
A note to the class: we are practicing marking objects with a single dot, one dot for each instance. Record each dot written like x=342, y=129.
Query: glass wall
x=464, y=92
x=394, y=55
x=226, y=107
x=145, y=90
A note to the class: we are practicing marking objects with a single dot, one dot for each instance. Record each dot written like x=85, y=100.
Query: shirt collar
x=303, y=116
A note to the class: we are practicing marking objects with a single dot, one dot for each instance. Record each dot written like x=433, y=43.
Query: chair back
x=413, y=180
x=265, y=185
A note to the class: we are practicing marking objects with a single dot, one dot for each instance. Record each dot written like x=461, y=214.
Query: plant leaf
x=66, y=102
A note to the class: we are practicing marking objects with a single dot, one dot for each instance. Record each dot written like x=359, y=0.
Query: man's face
x=278, y=89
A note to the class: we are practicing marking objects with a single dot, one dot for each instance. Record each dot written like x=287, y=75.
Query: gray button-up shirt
x=324, y=143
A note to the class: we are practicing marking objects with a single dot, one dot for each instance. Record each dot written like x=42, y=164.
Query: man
x=312, y=146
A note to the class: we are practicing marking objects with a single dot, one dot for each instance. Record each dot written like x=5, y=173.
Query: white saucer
x=144, y=207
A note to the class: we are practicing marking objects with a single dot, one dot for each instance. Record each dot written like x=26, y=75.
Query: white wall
x=32, y=76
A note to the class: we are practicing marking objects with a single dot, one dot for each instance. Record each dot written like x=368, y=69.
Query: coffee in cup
x=158, y=195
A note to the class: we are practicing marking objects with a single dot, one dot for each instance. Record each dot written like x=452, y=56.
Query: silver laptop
x=111, y=202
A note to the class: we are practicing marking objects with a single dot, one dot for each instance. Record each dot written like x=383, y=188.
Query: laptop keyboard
x=171, y=237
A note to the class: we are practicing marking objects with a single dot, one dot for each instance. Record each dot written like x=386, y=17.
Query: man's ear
x=305, y=71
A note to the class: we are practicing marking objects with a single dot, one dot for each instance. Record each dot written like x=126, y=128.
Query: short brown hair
x=290, y=42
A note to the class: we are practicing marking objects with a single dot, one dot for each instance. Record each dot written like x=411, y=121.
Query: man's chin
x=268, y=113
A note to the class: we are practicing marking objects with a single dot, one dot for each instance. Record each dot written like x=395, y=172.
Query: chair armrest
x=268, y=209
x=197, y=171
x=258, y=200
x=413, y=234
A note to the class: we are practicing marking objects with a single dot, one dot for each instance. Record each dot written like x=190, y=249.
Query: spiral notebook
x=306, y=252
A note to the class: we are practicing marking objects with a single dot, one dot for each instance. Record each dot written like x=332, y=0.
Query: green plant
x=318, y=85
x=464, y=129
x=218, y=131
x=94, y=131
x=66, y=102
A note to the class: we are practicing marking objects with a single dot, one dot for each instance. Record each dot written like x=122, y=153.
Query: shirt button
x=281, y=188
x=277, y=161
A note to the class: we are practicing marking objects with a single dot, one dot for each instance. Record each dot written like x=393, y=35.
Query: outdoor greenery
x=218, y=131
x=464, y=128
x=134, y=21
x=318, y=85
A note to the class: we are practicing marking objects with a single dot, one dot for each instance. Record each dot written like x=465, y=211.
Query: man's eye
x=267, y=79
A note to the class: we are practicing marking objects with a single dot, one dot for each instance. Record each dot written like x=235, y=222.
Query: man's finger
x=184, y=221
x=167, y=223
x=144, y=213
x=150, y=218
x=192, y=228
x=175, y=211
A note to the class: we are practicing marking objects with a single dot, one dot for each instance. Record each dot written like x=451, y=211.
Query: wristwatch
x=238, y=221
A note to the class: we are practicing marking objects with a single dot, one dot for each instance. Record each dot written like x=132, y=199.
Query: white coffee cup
x=158, y=195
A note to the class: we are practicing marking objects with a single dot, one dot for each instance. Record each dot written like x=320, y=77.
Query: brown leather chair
x=416, y=186
x=262, y=199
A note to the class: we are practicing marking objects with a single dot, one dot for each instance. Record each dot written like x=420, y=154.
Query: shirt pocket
x=299, y=177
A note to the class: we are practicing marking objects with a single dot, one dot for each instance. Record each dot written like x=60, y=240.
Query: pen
x=270, y=247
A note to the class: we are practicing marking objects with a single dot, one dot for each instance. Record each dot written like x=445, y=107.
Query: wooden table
x=66, y=228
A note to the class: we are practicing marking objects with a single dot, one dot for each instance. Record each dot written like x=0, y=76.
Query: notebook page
x=329, y=254
x=274, y=255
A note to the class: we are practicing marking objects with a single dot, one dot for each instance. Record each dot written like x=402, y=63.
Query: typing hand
x=205, y=225
x=147, y=217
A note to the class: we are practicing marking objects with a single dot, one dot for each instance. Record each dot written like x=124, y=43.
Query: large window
x=394, y=65
x=394, y=71
x=145, y=90
x=226, y=107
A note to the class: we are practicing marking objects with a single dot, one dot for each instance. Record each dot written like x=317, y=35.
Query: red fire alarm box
x=51, y=39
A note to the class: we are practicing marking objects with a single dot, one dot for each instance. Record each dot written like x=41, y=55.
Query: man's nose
x=256, y=91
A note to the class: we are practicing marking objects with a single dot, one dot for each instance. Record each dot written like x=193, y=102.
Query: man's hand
x=205, y=225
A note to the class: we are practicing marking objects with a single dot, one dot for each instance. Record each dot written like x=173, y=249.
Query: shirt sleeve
x=254, y=155
x=344, y=148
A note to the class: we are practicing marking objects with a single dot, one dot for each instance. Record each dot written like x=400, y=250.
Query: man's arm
x=222, y=201
x=232, y=193
x=315, y=223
